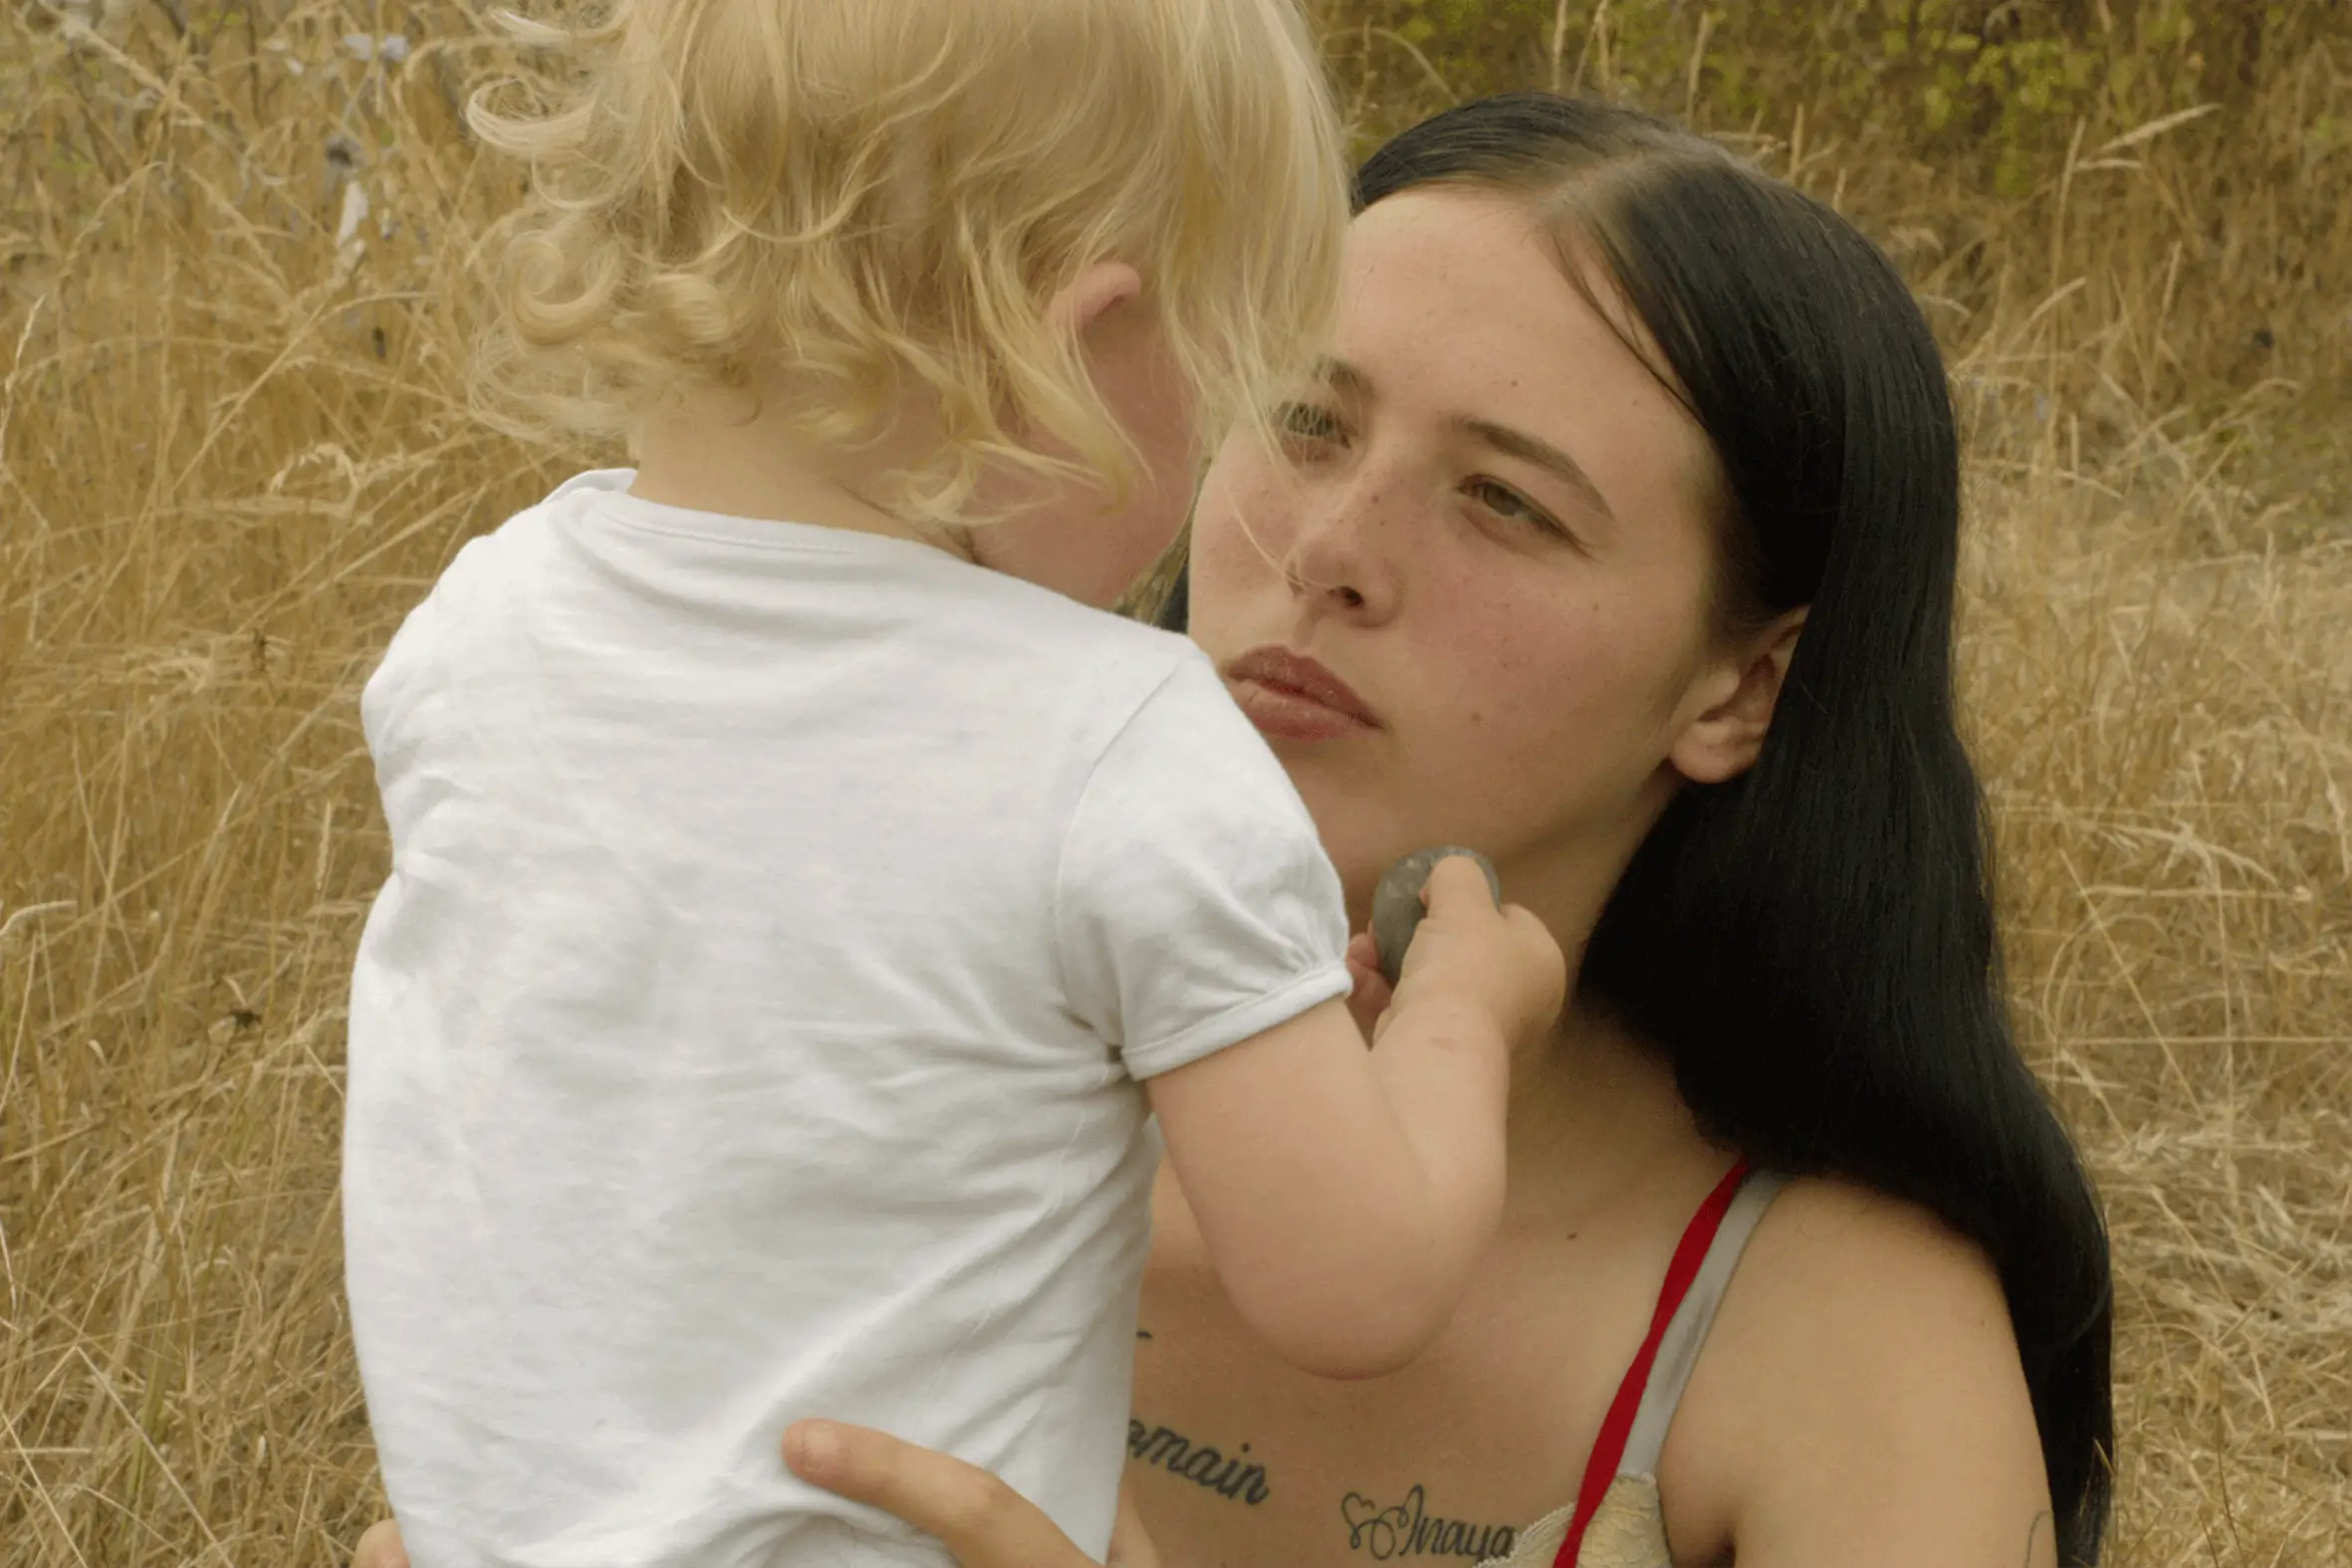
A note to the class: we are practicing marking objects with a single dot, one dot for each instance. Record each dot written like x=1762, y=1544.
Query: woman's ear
x=1727, y=734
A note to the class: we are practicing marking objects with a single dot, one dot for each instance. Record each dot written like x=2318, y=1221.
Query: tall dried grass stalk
x=234, y=447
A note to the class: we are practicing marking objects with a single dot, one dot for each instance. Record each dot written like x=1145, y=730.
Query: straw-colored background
x=234, y=447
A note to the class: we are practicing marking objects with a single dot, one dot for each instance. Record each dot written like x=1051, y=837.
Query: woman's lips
x=1291, y=697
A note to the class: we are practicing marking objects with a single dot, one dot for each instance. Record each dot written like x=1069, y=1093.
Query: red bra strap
x=1609, y=1449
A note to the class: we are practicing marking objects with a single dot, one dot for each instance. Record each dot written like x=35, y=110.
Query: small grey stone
x=1397, y=907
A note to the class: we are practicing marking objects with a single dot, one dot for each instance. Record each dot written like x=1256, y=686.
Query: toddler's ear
x=1093, y=294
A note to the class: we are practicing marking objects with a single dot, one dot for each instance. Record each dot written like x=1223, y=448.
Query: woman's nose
x=1341, y=559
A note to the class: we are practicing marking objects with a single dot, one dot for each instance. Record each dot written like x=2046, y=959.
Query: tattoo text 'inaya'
x=1407, y=1530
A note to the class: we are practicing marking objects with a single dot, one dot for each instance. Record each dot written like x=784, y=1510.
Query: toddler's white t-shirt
x=780, y=922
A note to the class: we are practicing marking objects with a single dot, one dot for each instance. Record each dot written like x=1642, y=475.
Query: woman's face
x=1490, y=525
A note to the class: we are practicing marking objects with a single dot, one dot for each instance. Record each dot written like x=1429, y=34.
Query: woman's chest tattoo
x=1407, y=1528
x=1381, y=1532
x=1236, y=1476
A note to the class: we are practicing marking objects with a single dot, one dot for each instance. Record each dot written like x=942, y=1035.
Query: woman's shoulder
x=1849, y=1308
x=1822, y=1232
x=1862, y=1364
x=1846, y=1291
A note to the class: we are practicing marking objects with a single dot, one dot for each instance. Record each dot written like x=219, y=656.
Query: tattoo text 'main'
x=1228, y=1476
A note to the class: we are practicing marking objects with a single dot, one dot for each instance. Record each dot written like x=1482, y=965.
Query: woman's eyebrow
x=1531, y=449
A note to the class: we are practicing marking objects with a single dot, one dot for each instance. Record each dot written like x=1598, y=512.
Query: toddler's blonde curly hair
x=880, y=196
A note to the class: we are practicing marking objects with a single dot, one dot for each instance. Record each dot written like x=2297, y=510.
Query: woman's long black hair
x=1813, y=943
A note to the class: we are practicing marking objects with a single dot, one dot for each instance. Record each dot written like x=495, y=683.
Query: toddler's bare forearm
x=1345, y=1194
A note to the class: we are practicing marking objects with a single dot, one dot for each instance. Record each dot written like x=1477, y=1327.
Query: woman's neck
x=1594, y=1111
x=1594, y=1114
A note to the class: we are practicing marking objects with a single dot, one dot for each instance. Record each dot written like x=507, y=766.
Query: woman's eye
x=1306, y=426
x=1508, y=503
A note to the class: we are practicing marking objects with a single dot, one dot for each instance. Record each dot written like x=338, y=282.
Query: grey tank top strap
x=1686, y=1332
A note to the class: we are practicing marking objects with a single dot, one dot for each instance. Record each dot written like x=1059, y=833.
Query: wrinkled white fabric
x=780, y=922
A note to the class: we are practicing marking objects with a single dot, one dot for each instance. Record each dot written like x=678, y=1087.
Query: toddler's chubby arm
x=1344, y=1194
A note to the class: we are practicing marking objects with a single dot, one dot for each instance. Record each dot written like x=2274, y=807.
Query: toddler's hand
x=1465, y=952
x=1369, y=1001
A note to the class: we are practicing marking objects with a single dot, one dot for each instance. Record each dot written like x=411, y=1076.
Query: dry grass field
x=234, y=447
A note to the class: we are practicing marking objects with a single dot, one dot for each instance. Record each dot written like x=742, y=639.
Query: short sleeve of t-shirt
x=1195, y=906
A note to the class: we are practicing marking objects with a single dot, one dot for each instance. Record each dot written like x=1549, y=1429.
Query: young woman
x=1619, y=542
